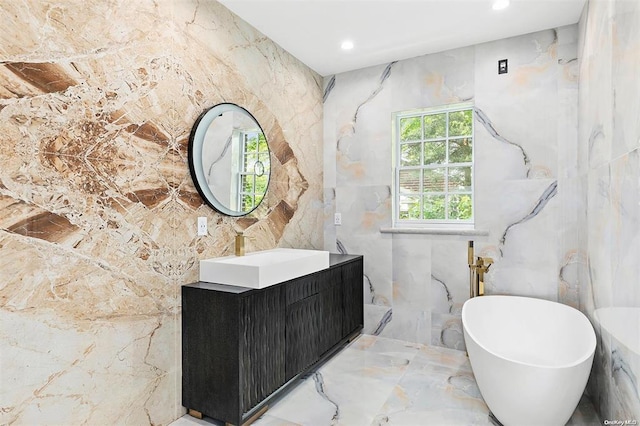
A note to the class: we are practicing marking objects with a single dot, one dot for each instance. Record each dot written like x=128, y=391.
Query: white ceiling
x=388, y=30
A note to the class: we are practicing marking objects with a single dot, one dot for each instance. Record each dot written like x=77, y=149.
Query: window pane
x=460, y=179
x=410, y=129
x=247, y=202
x=434, y=180
x=251, y=142
x=262, y=146
x=460, y=151
x=410, y=154
x=435, y=126
x=265, y=159
x=261, y=184
x=460, y=206
x=409, y=207
x=460, y=123
x=249, y=163
x=261, y=167
x=247, y=183
x=409, y=181
x=434, y=207
x=434, y=152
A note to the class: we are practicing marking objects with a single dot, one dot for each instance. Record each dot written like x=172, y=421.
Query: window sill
x=435, y=231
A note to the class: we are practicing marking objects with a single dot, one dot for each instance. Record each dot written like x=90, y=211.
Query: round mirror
x=229, y=159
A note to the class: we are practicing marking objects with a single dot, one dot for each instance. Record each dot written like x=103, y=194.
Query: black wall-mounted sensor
x=503, y=66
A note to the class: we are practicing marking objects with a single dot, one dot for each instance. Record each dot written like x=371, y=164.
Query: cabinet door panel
x=262, y=346
x=353, y=303
x=302, y=334
x=303, y=287
x=210, y=352
x=331, y=312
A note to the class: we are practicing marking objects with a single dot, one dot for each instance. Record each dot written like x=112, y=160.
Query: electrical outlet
x=202, y=226
x=337, y=219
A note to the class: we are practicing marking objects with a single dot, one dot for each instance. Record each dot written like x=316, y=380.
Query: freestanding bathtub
x=531, y=357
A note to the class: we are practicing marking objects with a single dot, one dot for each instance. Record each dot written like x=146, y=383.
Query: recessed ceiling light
x=347, y=45
x=500, y=4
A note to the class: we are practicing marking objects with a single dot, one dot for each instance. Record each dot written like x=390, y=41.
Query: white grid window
x=254, y=169
x=434, y=166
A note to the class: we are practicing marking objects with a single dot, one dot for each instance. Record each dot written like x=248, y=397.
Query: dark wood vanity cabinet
x=241, y=347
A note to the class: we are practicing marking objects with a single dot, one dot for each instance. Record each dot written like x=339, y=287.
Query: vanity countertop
x=337, y=258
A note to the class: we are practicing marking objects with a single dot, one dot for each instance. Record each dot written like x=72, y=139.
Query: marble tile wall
x=609, y=182
x=97, y=207
x=526, y=175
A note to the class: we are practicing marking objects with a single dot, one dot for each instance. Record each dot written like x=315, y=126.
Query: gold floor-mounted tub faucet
x=477, y=271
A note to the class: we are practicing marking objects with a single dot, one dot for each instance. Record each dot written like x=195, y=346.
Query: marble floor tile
x=377, y=381
x=386, y=346
x=438, y=388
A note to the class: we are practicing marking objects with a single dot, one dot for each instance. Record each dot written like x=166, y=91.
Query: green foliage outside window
x=410, y=129
x=435, y=126
x=460, y=123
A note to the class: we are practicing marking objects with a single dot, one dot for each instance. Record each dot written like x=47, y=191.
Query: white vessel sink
x=263, y=268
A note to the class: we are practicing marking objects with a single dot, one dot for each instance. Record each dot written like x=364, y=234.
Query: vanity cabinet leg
x=194, y=413
x=253, y=418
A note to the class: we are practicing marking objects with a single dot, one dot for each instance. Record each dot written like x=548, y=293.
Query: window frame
x=397, y=167
x=243, y=172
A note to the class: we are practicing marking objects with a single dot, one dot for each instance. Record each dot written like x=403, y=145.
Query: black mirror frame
x=194, y=154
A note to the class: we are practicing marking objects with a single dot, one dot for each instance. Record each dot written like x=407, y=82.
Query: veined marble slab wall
x=97, y=207
x=609, y=177
x=525, y=142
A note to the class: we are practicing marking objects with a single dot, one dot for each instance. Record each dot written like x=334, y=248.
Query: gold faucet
x=240, y=244
x=477, y=271
x=482, y=266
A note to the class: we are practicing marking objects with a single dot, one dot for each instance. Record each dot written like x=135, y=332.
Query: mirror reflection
x=229, y=159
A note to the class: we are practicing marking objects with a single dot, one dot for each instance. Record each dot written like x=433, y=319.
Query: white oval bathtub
x=531, y=357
